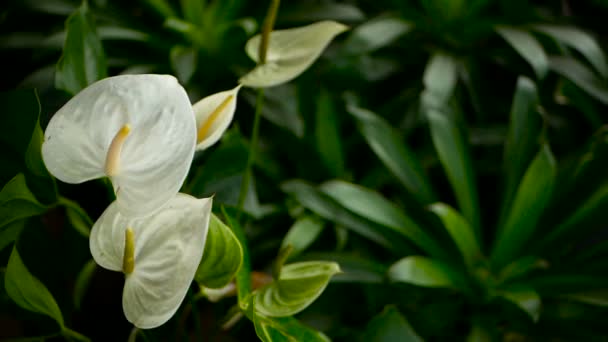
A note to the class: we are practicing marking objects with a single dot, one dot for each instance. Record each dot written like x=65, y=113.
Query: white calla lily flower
x=290, y=52
x=213, y=115
x=139, y=130
x=159, y=255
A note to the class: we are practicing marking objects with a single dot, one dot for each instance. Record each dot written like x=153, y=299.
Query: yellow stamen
x=128, y=261
x=202, y=132
x=113, y=156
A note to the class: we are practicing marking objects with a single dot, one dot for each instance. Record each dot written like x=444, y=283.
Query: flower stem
x=71, y=335
x=251, y=157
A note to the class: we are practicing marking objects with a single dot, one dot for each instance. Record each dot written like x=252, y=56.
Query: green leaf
x=533, y=195
x=394, y=153
x=322, y=205
x=453, y=151
x=371, y=205
x=82, y=282
x=439, y=79
x=327, y=134
x=423, y=271
x=299, y=284
x=525, y=298
x=521, y=267
x=284, y=329
x=243, y=275
x=390, y=326
x=580, y=75
x=594, y=297
x=16, y=204
x=83, y=61
x=302, y=234
x=161, y=7
x=580, y=41
x=375, y=34
x=222, y=257
x=184, y=60
x=27, y=291
x=461, y=232
x=193, y=11
x=522, y=140
x=528, y=48
x=78, y=217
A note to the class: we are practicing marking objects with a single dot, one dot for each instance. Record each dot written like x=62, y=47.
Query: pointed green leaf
x=528, y=48
x=423, y=271
x=533, y=195
x=77, y=216
x=299, y=284
x=390, y=326
x=16, y=204
x=83, y=61
x=374, y=34
x=461, y=232
x=521, y=267
x=284, y=329
x=439, y=79
x=302, y=234
x=594, y=297
x=522, y=139
x=453, y=151
x=82, y=282
x=370, y=204
x=222, y=256
x=322, y=205
x=525, y=298
x=580, y=75
x=327, y=134
x=27, y=291
x=184, y=60
x=581, y=41
x=394, y=153
x=193, y=11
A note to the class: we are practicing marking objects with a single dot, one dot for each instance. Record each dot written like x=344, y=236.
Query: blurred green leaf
x=27, y=291
x=184, y=60
x=16, y=203
x=299, y=284
x=389, y=326
x=83, y=61
x=596, y=297
x=525, y=298
x=243, y=275
x=280, y=108
x=580, y=41
x=375, y=34
x=161, y=7
x=302, y=234
x=460, y=231
x=453, y=151
x=522, y=140
x=580, y=75
x=371, y=205
x=327, y=134
x=82, y=282
x=284, y=329
x=528, y=48
x=444, y=9
x=322, y=205
x=222, y=256
x=78, y=217
x=423, y=271
x=394, y=153
x=533, y=195
x=355, y=268
x=193, y=11
x=316, y=11
x=439, y=79
x=521, y=267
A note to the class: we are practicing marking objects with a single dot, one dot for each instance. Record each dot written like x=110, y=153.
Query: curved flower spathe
x=139, y=130
x=159, y=255
x=290, y=52
x=213, y=115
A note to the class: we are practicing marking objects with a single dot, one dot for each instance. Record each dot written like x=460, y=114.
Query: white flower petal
x=213, y=115
x=290, y=52
x=155, y=156
x=168, y=249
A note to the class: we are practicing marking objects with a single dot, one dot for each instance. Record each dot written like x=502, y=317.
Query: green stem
x=267, y=27
x=251, y=157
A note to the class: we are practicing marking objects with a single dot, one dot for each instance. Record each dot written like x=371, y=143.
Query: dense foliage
x=448, y=155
